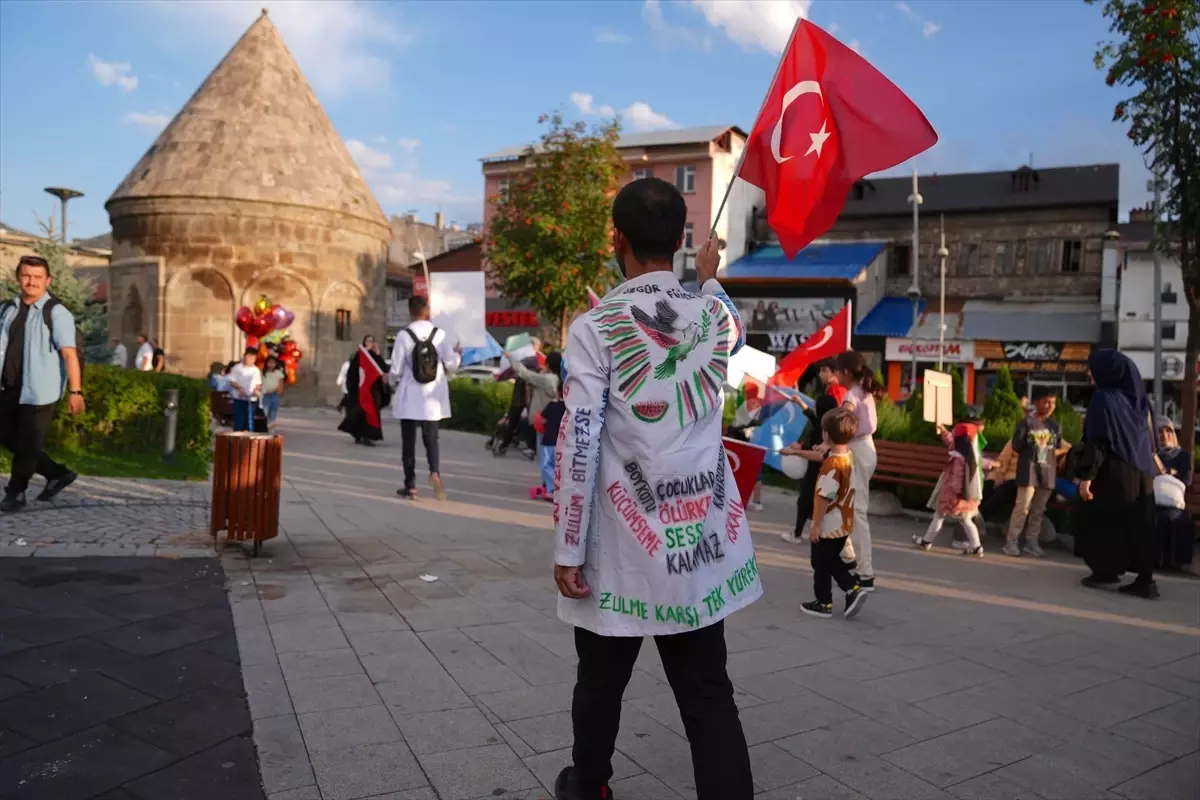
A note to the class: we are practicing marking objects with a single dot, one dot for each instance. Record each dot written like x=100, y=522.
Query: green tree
x=958, y=395
x=1002, y=404
x=1155, y=58
x=73, y=291
x=549, y=237
x=1069, y=420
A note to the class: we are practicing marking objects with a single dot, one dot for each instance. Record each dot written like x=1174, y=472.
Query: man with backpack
x=40, y=357
x=422, y=360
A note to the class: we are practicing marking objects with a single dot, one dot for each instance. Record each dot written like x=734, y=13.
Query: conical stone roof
x=254, y=130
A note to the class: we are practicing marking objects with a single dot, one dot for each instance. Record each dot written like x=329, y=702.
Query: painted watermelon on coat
x=650, y=410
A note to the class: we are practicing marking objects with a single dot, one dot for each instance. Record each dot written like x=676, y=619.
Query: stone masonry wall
x=221, y=254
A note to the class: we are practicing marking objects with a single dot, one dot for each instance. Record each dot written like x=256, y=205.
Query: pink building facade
x=699, y=161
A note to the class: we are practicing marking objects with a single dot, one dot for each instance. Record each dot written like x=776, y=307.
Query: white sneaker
x=791, y=538
x=756, y=506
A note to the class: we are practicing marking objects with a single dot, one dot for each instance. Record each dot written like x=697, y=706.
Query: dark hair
x=1044, y=391
x=853, y=363
x=840, y=425
x=32, y=261
x=966, y=448
x=250, y=351
x=368, y=336
x=231, y=365
x=554, y=363
x=417, y=304
x=826, y=363
x=650, y=213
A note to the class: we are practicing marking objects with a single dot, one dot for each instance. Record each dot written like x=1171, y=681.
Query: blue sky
x=420, y=91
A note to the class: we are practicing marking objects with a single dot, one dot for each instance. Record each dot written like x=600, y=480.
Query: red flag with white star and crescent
x=829, y=119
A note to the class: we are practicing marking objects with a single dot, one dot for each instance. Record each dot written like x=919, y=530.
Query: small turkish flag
x=828, y=342
x=746, y=460
x=829, y=119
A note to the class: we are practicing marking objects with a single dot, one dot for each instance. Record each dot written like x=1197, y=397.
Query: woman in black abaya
x=366, y=395
x=1116, y=479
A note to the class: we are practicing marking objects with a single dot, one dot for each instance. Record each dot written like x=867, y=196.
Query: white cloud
x=607, y=36
x=379, y=139
x=667, y=34
x=405, y=190
x=367, y=157
x=109, y=73
x=151, y=120
x=638, y=116
x=928, y=29
x=341, y=45
x=408, y=144
x=755, y=24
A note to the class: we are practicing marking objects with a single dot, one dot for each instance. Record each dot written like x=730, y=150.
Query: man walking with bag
x=40, y=357
x=422, y=361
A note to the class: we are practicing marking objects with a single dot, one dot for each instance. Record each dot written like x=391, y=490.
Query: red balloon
x=251, y=341
x=287, y=360
x=244, y=319
x=297, y=355
x=262, y=325
x=289, y=345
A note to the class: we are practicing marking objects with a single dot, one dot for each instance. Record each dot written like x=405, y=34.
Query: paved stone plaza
x=991, y=679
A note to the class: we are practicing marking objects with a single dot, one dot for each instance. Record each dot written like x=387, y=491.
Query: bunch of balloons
x=268, y=319
x=263, y=319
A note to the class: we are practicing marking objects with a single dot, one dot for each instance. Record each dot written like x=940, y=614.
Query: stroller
x=520, y=435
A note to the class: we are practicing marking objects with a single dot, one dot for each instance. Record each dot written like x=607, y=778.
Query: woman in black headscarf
x=366, y=395
x=1116, y=478
x=1175, y=537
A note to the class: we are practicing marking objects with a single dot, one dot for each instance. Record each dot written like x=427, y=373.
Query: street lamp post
x=64, y=196
x=914, y=289
x=1158, y=344
x=942, y=253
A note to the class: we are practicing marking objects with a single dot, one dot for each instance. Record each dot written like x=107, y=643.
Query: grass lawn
x=186, y=467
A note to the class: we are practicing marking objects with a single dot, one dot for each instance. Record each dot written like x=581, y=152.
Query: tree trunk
x=1187, y=439
x=564, y=326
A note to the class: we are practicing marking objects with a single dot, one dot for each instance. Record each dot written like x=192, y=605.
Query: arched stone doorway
x=291, y=291
x=199, y=321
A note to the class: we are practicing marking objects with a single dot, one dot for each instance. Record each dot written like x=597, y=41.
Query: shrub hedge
x=125, y=414
x=476, y=406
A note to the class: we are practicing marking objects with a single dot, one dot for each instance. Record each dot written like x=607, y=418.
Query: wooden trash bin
x=247, y=475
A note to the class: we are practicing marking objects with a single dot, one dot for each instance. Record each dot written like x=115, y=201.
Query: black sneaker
x=53, y=487
x=866, y=584
x=816, y=608
x=12, y=502
x=1147, y=590
x=1095, y=581
x=854, y=601
x=567, y=787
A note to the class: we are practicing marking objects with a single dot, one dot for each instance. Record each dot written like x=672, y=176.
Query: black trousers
x=23, y=433
x=408, y=447
x=695, y=667
x=828, y=568
x=804, y=500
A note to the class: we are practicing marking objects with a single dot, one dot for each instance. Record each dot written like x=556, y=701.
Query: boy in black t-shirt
x=1037, y=444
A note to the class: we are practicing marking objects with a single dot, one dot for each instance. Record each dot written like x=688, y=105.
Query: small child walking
x=547, y=425
x=833, y=518
x=958, y=492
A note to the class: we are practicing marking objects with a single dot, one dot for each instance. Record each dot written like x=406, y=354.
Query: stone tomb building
x=249, y=191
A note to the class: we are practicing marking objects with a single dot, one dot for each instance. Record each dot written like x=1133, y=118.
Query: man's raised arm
x=707, y=261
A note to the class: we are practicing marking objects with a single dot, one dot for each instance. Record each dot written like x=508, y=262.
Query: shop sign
x=511, y=319
x=1172, y=364
x=1023, y=352
x=953, y=351
x=776, y=343
x=1061, y=367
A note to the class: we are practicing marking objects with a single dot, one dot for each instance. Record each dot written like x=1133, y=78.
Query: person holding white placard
x=422, y=360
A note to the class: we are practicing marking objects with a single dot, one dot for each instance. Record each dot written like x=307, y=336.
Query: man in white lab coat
x=422, y=360
x=651, y=537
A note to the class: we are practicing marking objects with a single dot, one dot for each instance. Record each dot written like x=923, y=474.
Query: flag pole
x=761, y=109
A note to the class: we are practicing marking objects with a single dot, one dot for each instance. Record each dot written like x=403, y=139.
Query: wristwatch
x=76, y=391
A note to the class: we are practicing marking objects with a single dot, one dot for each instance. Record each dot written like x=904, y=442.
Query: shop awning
x=841, y=261
x=1059, y=321
x=891, y=316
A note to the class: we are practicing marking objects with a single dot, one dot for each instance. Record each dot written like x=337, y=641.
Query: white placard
x=939, y=398
x=751, y=362
x=457, y=302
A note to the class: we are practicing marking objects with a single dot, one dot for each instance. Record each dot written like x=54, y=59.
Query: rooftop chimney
x=439, y=221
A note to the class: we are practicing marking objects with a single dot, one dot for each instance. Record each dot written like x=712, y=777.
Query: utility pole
x=64, y=196
x=942, y=253
x=914, y=289
x=1158, y=355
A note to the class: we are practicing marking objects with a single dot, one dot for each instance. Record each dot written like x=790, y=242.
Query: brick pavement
x=963, y=678
x=119, y=678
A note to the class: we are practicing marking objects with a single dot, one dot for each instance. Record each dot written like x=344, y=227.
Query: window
x=685, y=179
x=1072, y=255
x=1169, y=295
x=1168, y=331
x=1037, y=257
x=502, y=187
x=901, y=259
x=1002, y=257
x=342, y=325
x=687, y=237
x=967, y=262
x=644, y=172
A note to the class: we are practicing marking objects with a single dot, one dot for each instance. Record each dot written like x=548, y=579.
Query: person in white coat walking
x=423, y=359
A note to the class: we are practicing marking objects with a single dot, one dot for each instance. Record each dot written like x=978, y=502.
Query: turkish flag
x=369, y=374
x=829, y=119
x=828, y=342
x=746, y=460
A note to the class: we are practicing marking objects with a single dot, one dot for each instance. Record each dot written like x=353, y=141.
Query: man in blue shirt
x=38, y=361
